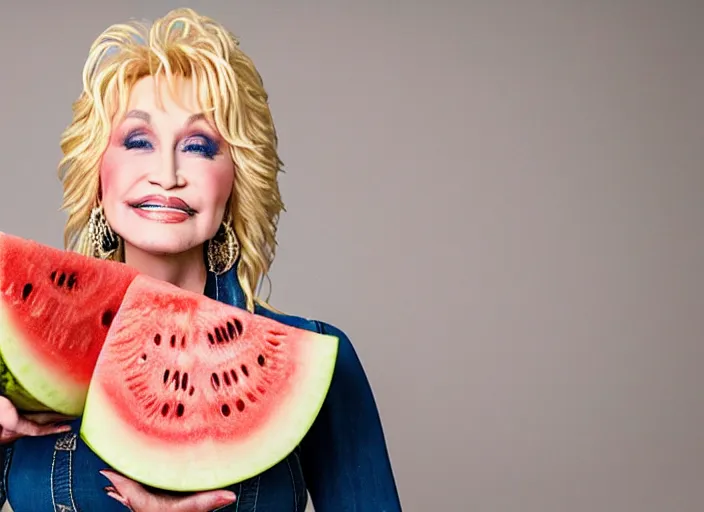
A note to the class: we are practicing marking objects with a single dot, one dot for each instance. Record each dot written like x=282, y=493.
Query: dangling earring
x=105, y=242
x=223, y=249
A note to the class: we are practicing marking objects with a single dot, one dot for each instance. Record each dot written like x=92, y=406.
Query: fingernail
x=226, y=498
x=118, y=498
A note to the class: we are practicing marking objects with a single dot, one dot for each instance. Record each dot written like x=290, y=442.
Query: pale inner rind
x=55, y=390
x=206, y=464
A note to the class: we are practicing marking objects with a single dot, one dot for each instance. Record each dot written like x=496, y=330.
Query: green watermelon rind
x=213, y=465
x=32, y=389
x=20, y=398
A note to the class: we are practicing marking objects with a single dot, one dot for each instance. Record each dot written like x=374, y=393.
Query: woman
x=170, y=165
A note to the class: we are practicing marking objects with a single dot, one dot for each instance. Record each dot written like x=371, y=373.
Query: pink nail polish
x=226, y=499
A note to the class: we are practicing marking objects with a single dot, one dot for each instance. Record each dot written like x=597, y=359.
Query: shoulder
x=300, y=322
x=345, y=349
x=287, y=319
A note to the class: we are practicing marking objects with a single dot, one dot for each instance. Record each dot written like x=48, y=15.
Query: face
x=166, y=175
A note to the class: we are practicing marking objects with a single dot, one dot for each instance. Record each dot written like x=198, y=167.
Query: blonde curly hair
x=182, y=44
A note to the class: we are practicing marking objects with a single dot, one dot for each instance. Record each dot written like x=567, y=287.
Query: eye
x=201, y=144
x=137, y=141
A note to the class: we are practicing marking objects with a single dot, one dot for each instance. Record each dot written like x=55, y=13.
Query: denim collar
x=226, y=288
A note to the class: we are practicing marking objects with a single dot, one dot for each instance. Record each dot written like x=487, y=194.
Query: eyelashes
x=203, y=145
x=135, y=142
x=199, y=144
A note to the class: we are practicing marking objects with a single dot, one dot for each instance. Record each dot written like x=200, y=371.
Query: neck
x=186, y=270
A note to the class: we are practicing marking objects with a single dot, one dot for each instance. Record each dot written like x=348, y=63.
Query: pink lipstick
x=163, y=209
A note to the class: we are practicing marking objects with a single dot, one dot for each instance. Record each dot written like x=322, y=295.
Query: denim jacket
x=344, y=457
x=342, y=462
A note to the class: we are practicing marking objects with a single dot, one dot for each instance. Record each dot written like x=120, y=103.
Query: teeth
x=158, y=207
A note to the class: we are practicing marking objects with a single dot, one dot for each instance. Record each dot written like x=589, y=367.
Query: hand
x=136, y=498
x=13, y=425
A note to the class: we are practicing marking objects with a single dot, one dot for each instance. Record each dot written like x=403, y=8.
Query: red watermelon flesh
x=56, y=308
x=191, y=394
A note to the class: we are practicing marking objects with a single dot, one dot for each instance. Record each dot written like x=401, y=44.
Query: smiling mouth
x=147, y=206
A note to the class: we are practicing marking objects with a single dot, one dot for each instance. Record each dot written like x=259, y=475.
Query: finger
x=6, y=403
x=8, y=436
x=129, y=490
x=42, y=418
x=202, y=501
x=138, y=497
x=121, y=483
x=27, y=427
x=119, y=499
x=8, y=414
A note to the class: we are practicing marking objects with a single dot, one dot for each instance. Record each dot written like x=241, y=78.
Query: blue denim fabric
x=343, y=461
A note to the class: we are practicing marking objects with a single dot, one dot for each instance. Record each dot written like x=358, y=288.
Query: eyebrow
x=144, y=116
x=139, y=114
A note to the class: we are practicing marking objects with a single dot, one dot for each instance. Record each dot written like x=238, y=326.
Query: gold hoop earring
x=103, y=239
x=223, y=249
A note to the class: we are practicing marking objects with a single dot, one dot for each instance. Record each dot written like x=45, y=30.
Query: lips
x=161, y=203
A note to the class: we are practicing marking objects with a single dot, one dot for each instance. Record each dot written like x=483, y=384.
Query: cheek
x=109, y=174
x=219, y=185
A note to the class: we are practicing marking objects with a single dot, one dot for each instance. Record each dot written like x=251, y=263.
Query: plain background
x=502, y=203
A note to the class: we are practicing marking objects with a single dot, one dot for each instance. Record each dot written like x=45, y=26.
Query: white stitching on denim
x=293, y=482
x=256, y=495
x=239, y=495
x=298, y=459
x=300, y=468
x=51, y=480
x=70, y=480
x=67, y=443
x=7, y=454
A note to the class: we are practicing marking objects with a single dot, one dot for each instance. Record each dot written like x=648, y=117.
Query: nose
x=166, y=172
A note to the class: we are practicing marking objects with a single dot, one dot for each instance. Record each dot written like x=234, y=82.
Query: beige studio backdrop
x=501, y=202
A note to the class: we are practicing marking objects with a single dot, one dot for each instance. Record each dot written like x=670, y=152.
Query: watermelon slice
x=191, y=394
x=55, y=310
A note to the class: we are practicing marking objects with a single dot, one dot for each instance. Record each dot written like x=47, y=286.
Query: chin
x=160, y=238
x=162, y=242
x=163, y=246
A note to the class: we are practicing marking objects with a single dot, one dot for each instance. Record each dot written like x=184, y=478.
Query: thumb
x=9, y=417
x=203, y=501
